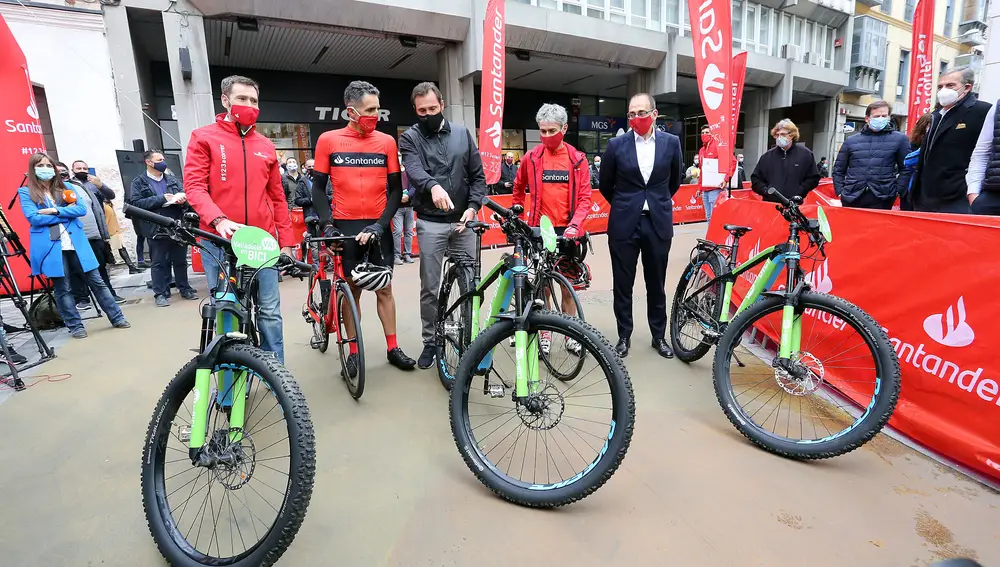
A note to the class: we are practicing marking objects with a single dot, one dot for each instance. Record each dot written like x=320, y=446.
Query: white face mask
x=947, y=97
x=292, y=167
x=783, y=142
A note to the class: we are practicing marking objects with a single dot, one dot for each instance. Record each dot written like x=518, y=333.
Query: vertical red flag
x=492, y=95
x=738, y=72
x=20, y=137
x=921, y=61
x=712, y=34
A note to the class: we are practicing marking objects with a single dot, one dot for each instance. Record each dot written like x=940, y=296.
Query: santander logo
x=750, y=276
x=494, y=132
x=596, y=208
x=32, y=111
x=819, y=279
x=713, y=86
x=950, y=328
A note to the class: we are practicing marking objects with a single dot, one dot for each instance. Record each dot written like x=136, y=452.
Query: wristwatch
x=215, y=222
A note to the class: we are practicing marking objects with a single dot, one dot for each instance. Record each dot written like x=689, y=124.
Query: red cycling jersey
x=358, y=167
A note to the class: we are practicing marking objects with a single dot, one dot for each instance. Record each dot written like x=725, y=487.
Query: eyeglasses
x=639, y=114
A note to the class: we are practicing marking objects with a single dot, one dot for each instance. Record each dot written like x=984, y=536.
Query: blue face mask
x=878, y=123
x=44, y=173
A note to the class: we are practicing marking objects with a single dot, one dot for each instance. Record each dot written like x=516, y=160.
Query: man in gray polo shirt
x=446, y=172
x=95, y=226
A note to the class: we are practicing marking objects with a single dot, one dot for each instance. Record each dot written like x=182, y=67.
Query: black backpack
x=44, y=313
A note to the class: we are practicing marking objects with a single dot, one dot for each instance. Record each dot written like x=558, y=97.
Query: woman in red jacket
x=557, y=176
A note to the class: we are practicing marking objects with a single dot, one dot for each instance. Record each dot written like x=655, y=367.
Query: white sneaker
x=574, y=347
x=545, y=342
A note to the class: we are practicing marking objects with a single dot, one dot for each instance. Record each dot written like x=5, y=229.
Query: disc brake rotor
x=807, y=377
x=542, y=410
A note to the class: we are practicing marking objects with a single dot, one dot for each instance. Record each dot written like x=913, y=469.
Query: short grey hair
x=357, y=91
x=228, y=82
x=968, y=75
x=552, y=113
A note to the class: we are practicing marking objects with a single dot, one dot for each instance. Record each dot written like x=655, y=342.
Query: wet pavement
x=391, y=488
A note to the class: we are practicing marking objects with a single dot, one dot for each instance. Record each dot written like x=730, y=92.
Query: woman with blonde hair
x=789, y=166
x=58, y=242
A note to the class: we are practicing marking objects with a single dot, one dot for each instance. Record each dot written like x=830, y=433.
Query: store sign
x=601, y=123
x=335, y=114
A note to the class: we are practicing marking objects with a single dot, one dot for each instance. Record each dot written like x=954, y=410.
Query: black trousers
x=868, y=200
x=986, y=204
x=166, y=254
x=77, y=281
x=625, y=254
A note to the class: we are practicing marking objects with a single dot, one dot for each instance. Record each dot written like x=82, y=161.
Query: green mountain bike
x=821, y=378
x=229, y=458
x=529, y=436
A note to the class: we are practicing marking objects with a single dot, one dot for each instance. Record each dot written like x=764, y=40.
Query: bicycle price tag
x=255, y=247
x=548, y=234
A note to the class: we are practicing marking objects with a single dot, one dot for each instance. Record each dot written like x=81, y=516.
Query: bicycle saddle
x=736, y=229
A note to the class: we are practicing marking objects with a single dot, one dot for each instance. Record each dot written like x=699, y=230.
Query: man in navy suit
x=640, y=171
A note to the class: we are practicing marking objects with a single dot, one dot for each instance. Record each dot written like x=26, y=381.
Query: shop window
x=290, y=140
x=616, y=107
x=588, y=105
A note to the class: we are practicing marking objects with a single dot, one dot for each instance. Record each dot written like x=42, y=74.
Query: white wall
x=67, y=53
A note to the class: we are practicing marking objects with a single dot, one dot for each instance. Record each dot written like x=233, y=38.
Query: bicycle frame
x=774, y=258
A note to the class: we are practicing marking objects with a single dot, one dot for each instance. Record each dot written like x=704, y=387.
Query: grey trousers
x=402, y=231
x=434, y=239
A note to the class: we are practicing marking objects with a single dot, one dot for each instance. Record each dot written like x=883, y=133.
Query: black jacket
x=304, y=198
x=293, y=186
x=871, y=161
x=793, y=172
x=448, y=158
x=144, y=196
x=945, y=155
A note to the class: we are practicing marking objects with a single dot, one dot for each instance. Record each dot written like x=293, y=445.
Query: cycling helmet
x=571, y=264
x=371, y=276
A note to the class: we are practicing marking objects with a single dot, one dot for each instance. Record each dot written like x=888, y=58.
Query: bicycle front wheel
x=560, y=443
x=245, y=510
x=454, y=330
x=690, y=312
x=835, y=392
x=351, y=348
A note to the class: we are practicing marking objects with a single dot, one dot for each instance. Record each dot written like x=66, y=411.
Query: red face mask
x=641, y=124
x=245, y=116
x=367, y=123
x=706, y=138
x=552, y=142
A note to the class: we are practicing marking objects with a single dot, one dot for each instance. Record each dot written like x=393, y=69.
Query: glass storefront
x=290, y=140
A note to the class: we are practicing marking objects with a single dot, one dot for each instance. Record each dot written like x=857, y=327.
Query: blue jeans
x=66, y=303
x=708, y=198
x=268, y=299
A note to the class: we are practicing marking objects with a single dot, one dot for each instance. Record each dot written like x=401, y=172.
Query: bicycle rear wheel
x=687, y=329
x=552, y=289
x=836, y=393
x=246, y=510
x=562, y=442
x=352, y=350
x=454, y=331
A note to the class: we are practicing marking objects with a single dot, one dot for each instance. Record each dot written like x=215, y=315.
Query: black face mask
x=81, y=175
x=64, y=176
x=430, y=123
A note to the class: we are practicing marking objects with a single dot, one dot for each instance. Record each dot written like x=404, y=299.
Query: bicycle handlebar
x=134, y=212
x=497, y=208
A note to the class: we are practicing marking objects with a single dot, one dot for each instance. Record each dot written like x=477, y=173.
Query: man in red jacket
x=711, y=187
x=232, y=179
x=558, y=177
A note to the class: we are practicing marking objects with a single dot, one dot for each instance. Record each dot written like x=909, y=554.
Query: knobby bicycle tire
x=616, y=445
x=348, y=307
x=545, y=282
x=887, y=371
x=712, y=261
x=462, y=277
x=302, y=468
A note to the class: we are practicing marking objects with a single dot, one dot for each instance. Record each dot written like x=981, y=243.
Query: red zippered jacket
x=711, y=151
x=580, y=194
x=237, y=177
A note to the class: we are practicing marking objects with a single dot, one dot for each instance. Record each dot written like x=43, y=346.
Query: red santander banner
x=943, y=329
x=738, y=74
x=921, y=61
x=712, y=34
x=21, y=136
x=492, y=96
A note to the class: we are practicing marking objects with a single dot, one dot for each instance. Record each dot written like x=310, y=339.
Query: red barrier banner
x=492, y=94
x=738, y=74
x=712, y=35
x=921, y=61
x=20, y=137
x=895, y=266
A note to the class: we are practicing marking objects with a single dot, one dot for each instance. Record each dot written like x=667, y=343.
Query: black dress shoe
x=622, y=347
x=662, y=348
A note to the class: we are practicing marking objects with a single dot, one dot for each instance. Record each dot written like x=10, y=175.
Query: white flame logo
x=32, y=111
x=338, y=160
x=819, y=279
x=494, y=133
x=596, y=208
x=950, y=329
x=713, y=85
x=730, y=240
x=749, y=275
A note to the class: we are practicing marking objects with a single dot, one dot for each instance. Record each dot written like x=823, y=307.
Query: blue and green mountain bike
x=529, y=434
x=800, y=373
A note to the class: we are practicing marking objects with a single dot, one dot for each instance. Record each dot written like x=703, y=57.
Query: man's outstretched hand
x=226, y=228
